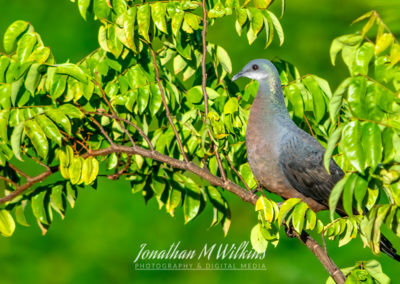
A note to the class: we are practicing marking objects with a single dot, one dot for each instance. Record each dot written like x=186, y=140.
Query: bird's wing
x=301, y=160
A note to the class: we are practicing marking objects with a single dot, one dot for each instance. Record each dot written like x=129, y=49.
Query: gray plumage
x=285, y=159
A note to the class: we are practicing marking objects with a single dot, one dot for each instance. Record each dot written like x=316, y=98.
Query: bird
x=284, y=158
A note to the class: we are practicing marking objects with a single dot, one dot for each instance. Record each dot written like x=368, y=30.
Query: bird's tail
x=385, y=245
x=387, y=248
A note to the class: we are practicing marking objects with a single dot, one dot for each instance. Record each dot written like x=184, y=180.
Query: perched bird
x=285, y=159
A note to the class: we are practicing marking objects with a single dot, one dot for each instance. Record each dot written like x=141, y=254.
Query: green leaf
x=101, y=9
x=395, y=54
x=83, y=6
x=352, y=145
x=4, y=116
x=72, y=70
x=224, y=59
x=12, y=33
x=57, y=199
x=257, y=239
x=37, y=137
x=25, y=46
x=156, y=100
x=72, y=111
x=60, y=119
x=348, y=191
x=58, y=86
x=263, y=204
x=20, y=215
x=389, y=150
x=311, y=220
x=38, y=207
x=298, y=216
x=383, y=42
x=195, y=95
x=16, y=137
x=217, y=11
x=262, y=4
x=143, y=99
x=247, y=175
x=286, y=207
x=49, y=128
x=32, y=78
x=158, y=13
x=363, y=56
x=335, y=196
x=332, y=141
x=336, y=101
x=15, y=89
x=277, y=26
x=40, y=54
x=7, y=224
x=231, y=106
x=372, y=144
x=319, y=107
x=143, y=19
x=374, y=268
x=360, y=189
x=191, y=204
x=72, y=194
x=296, y=104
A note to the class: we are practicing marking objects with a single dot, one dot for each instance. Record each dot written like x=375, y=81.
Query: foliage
x=136, y=102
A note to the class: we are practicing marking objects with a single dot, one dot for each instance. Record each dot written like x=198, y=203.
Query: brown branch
x=204, y=85
x=103, y=131
x=18, y=171
x=309, y=126
x=122, y=171
x=164, y=101
x=228, y=185
x=322, y=256
x=145, y=137
x=8, y=180
x=29, y=183
x=103, y=93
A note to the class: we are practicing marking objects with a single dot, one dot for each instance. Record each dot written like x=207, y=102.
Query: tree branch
x=164, y=101
x=204, y=85
x=29, y=183
x=228, y=185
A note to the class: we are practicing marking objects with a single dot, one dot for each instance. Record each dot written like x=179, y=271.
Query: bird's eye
x=255, y=67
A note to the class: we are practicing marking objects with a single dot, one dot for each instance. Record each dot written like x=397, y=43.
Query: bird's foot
x=290, y=231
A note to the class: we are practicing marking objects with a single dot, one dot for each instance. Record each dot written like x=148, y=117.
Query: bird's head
x=258, y=69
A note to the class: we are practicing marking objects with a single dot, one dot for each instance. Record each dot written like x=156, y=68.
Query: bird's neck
x=270, y=96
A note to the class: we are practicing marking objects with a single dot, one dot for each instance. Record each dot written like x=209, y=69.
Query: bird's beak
x=237, y=76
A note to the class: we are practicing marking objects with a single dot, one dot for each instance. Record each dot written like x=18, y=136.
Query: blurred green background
x=99, y=238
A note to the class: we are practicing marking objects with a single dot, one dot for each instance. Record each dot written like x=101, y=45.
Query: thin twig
x=103, y=93
x=18, y=171
x=145, y=137
x=309, y=126
x=123, y=170
x=102, y=131
x=164, y=101
x=8, y=180
x=204, y=86
x=38, y=161
x=237, y=173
